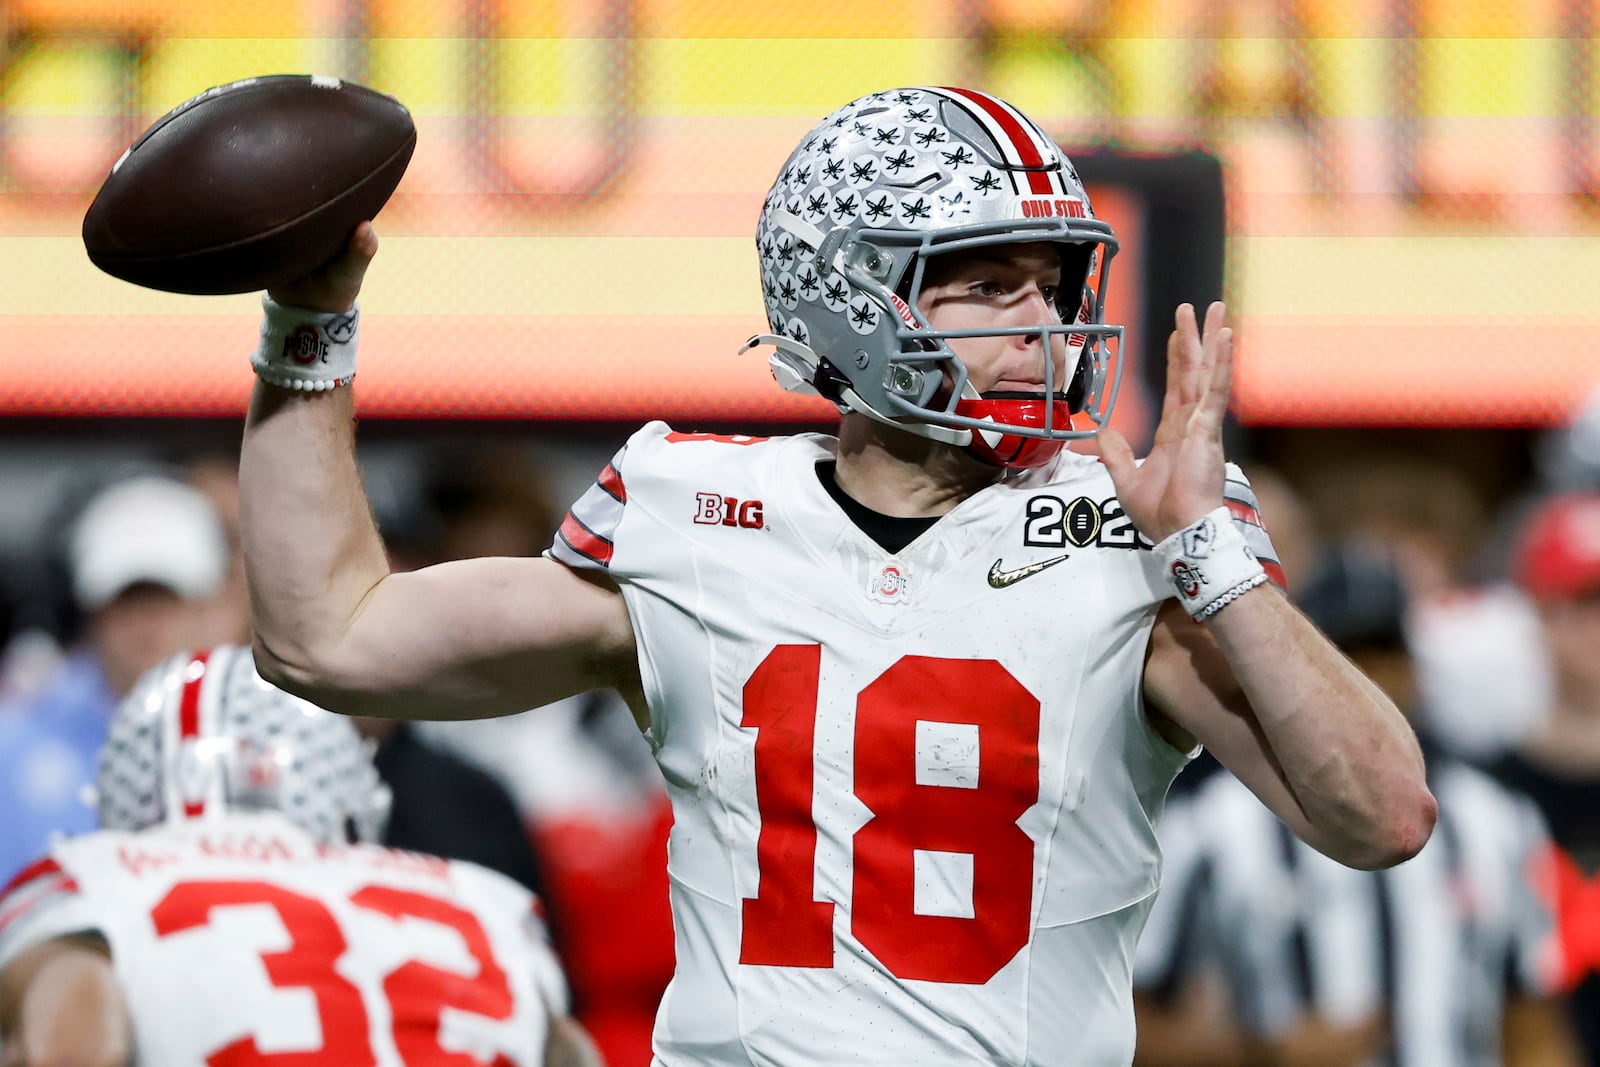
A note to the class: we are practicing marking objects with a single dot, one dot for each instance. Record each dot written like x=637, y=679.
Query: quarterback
x=918, y=689
x=230, y=911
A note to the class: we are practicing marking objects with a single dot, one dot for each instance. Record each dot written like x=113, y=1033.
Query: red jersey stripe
x=37, y=869
x=189, y=718
x=611, y=482
x=1244, y=512
x=585, y=541
x=33, y=885
x=1021, y=141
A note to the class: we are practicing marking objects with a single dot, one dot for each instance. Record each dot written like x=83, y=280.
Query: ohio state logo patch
x=305, y=346
x=891, y=584
x=1188, y=579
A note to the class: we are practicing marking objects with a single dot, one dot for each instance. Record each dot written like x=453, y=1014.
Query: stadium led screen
x=1410, y=207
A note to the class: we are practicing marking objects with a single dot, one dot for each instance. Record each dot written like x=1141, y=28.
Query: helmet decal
x=203, y=735
x=875, y=190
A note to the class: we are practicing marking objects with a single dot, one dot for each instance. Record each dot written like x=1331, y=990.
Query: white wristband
x=312, y=351
x=1209, y=564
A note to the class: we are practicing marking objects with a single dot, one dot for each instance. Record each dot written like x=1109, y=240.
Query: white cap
x=147, y=529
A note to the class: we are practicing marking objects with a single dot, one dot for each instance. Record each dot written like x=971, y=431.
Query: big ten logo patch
x=1055, y=523
x=714, y=509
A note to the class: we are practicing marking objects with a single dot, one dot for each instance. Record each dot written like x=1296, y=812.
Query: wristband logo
x=1187, y=579
x=305, y=346
x=341, y=329
x=1199, y=538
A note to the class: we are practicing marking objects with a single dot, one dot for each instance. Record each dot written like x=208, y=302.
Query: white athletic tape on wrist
x=1209, y=564
x=312, y=351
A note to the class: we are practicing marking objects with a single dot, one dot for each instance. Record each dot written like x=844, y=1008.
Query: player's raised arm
x=465, y=639
x=1257, y=683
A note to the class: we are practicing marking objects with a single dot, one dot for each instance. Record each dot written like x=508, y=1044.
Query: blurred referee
x=1261, y=951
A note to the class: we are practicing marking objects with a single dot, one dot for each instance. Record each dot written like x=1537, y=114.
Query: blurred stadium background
x=1397, y=198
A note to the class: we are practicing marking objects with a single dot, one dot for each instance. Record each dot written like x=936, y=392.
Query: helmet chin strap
x=949, y=435
x=990, y=437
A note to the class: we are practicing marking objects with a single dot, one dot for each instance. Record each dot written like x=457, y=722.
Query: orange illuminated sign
x=575, y=236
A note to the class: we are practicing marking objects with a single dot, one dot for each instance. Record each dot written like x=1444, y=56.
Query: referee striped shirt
x=1435, y=945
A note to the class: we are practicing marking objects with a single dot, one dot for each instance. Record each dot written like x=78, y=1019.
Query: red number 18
x=785, y=927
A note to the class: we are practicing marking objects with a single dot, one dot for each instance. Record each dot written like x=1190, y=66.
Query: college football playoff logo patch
x=1080, y=523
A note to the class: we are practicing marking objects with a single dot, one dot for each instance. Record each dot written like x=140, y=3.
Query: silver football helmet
x=844, y=238
x=202, y=735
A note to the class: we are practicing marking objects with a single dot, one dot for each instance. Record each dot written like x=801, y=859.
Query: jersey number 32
x=417, y=993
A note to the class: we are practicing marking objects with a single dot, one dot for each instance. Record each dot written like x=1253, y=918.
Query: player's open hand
x=1181, y=479
x=334, y=285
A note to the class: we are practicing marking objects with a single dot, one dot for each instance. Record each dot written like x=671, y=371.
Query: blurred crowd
x=1482, y=619
x=568, y=802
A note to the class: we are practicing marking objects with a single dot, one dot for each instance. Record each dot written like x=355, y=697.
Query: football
x=248, y=185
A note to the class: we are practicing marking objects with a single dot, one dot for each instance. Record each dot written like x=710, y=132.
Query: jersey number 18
x=785, y=927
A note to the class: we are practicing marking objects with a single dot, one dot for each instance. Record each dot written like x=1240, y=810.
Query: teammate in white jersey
x=918, y=690
x=228, y=913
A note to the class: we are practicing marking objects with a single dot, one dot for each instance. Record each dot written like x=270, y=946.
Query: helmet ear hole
x=1076, y=262
x=1078, y=388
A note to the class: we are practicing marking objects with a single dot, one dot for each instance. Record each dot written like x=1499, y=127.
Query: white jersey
x=241, y=938
x=913, y=792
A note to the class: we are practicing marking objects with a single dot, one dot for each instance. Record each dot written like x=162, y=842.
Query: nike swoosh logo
x=999, y=579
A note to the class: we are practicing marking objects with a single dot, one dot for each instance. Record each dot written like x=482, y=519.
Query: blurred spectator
x=446, y=806
x=1483, y=675
x=217, y=476
x=1294, y=530
x=582, y=774
x=489, y=502
x=1557, y=563
x=1479, y=669
x=1568, y=458
x=482, y=790
x=593, y=798
x=28, y=654
x=1262, y=951
x=443, y=805
x=1427, y=514
x=144, y=556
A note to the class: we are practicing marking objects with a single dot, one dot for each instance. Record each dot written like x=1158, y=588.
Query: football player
x=918, y=689
x=229, y=911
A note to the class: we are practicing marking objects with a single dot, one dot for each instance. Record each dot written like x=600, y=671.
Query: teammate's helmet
x=202, y=735
x=874, y=190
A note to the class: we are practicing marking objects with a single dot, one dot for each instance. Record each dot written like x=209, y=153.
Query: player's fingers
x=1116, y=454
x=351, y=265
x=364, y=241
x=1186, y=338
x=335, y=285
x=1174, y=396
x=1209, y=413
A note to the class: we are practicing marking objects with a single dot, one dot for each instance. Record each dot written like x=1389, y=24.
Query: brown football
x=249, y=185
